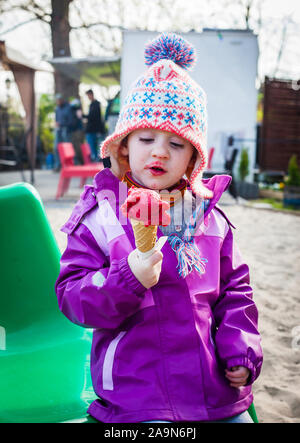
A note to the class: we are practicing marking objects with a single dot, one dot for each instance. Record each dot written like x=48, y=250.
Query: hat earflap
x=194, y=175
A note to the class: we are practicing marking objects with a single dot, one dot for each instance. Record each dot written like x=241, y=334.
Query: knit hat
x=165, y=97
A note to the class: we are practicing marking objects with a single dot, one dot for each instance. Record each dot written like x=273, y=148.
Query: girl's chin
x=156, y=183
x=153, y=182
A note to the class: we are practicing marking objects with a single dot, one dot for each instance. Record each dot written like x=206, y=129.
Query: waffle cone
x=145, y=236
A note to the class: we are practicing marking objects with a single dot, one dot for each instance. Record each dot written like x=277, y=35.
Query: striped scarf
x=187, y=253
x=184, y=246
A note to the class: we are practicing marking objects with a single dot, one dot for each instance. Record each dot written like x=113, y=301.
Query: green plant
x=244, y=164
x=293, y=178
x=275, y=204
x=46, y=121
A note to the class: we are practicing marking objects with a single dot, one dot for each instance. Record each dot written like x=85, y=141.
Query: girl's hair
x=124, y=142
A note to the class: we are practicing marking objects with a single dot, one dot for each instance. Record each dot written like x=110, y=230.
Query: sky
x=33, y=39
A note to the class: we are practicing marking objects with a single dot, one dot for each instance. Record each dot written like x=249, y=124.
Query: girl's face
x=157, y=159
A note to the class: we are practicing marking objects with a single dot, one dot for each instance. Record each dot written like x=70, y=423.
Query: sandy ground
x=270, y=244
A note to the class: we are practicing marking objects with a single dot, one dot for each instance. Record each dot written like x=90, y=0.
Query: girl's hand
x=148, y=270
x=237, y=375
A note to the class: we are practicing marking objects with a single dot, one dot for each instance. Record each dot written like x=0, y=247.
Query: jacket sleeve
x=237, y=338
x=91, y=291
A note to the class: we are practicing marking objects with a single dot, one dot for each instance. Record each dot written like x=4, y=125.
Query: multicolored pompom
x=171, y=47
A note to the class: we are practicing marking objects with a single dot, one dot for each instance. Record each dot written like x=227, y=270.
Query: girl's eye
x=146, y=140
x=176, y=145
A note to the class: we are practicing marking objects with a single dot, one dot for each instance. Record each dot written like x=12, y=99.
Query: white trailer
x=226, y=69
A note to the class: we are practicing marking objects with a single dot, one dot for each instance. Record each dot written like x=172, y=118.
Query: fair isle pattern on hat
x=166, y=98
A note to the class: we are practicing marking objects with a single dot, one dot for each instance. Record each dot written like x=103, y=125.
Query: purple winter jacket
x=159, y=353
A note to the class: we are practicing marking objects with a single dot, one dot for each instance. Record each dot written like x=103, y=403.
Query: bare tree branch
x=99, y=23
x=282, y=45
x=31, y=7
x=18, y=25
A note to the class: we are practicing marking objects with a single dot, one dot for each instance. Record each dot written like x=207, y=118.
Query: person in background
x=95, y=126
x=63, y=124
x=77, y=133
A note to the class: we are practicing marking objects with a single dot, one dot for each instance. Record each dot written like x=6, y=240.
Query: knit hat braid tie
x=187, y=253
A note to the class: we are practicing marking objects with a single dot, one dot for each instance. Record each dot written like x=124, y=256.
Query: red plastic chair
x=69, y=170
x=87, y=158
x=86, y=153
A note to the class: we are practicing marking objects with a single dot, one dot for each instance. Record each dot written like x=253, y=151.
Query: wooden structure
x=280, y=132
x=24, y=74
x=3, y=125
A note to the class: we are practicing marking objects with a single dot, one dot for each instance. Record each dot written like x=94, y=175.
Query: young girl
x=175, y=335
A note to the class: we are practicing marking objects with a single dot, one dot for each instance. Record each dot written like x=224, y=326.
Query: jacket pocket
x=108, y=363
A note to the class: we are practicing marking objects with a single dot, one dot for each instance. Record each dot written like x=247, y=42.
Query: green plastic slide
x=44, y=358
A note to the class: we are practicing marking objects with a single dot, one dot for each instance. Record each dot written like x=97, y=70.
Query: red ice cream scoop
x=147, y=207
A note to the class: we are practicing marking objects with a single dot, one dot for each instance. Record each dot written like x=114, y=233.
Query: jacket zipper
x=210, y=332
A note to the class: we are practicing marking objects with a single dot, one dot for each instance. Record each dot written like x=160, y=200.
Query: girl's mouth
x=156, y=169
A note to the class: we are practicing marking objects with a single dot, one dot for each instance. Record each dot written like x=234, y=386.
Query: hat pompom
x=171, y=47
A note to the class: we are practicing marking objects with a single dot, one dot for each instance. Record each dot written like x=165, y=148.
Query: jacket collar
x=106, y=180
x=218, y=184
x=106, y=185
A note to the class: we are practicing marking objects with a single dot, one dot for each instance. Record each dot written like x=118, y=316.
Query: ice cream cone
x=145, y=236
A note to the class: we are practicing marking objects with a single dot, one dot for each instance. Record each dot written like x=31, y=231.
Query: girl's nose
x=160, y=150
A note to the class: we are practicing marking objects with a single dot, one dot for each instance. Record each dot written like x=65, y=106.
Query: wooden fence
x=280, y=132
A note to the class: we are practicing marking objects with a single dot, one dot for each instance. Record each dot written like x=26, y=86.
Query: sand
x=270, y=244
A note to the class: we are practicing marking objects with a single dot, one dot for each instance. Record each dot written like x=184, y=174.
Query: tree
x=56, y=14
x=95, y=26
x=293, y=178
x=247, y=6
x=60, y=36
x=244, y=164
